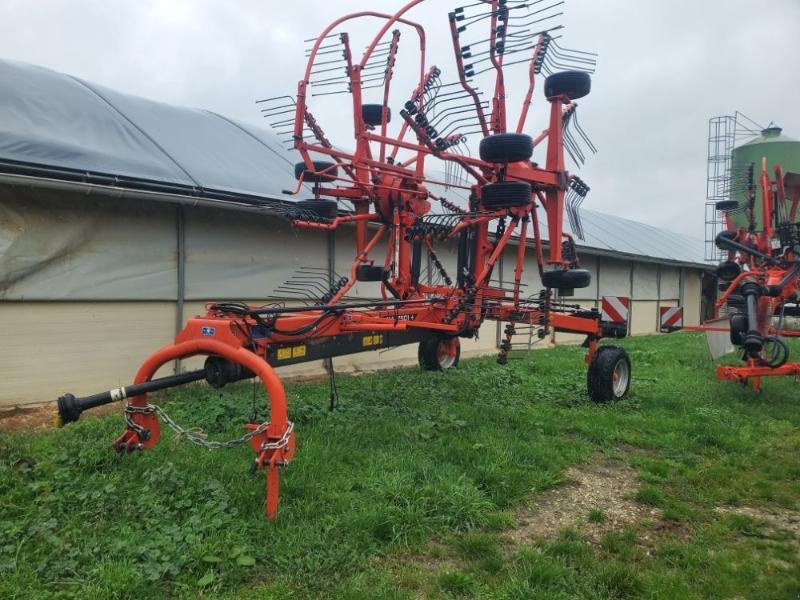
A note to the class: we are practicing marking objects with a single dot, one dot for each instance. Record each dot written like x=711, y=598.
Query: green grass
x=413, y=465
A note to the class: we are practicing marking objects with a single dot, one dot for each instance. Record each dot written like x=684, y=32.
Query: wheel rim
x=620, y=378
x=446, y=353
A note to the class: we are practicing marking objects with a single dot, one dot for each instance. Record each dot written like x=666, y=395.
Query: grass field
x=484, y=481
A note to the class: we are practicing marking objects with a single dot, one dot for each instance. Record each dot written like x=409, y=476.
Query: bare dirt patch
x=42, y=417
x=776, y=518
x=603, y=484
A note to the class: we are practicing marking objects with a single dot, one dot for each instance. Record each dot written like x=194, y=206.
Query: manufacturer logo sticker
x=208, y=331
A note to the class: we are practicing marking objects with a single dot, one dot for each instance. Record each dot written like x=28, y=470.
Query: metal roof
x=60, y=127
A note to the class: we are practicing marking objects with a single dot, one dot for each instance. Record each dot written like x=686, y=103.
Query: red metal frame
x=373, y=175
x=771, y=265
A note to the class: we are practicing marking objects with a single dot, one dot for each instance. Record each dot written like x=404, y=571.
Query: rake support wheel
x=326, y=209
x=726, y=205
x=373, y=114
x=506, y=148
x=317, y=175
x=505, y=194
x=572, y=84
x=567, y=280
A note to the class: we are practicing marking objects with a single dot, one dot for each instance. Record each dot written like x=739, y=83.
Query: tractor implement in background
x=758, y=279
x=382, y=192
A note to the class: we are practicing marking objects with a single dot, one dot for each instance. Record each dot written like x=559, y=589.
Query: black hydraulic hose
x=723, y=241
x=70, y=407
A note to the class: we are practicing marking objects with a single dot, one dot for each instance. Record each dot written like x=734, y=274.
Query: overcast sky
x=664, y=68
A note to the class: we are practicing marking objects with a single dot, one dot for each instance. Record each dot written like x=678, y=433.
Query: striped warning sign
x=614, y=309
x=671, y=318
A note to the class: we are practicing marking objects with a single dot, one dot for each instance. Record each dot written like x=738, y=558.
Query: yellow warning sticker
x=291, y=352
x=372, y=340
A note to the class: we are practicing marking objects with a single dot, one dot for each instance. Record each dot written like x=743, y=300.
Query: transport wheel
x=506, y=148
x=572, y=84
x=321, y=208
x=726, y=205
x=319, y=165
x=566, y=280
x=506, y=194
x=373, y=113
x=439, y=353
x=609, y=375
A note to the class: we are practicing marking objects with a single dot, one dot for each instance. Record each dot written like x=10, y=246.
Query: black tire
x=373, y=113
x=738, y=324
x=331, y=171
x=723, y=236
x=572, y=84
x=609, y=375
x=726, y=205
x=565, y=280
x=506, y=148
x=321, y=208
x=370, y=273
x=728, y=270
x=505, y=194
x=439, y=353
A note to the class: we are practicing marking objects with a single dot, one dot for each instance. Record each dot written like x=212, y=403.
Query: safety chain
x=197, y=436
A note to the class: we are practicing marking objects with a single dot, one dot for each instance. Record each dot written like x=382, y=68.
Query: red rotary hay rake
x=384, y=179
x=760, y=277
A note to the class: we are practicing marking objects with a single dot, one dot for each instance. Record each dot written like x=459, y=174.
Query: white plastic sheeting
x=645, y=281
x=670, y=283
x=233, y=255
x=69, y=247
x=614, y=277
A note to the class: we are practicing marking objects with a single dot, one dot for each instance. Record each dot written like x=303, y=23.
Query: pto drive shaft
x=217, y=372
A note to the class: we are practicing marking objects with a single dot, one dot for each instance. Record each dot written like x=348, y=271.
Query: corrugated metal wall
x=89, y=286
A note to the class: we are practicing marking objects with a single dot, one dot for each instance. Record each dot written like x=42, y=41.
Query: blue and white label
x=208, y=331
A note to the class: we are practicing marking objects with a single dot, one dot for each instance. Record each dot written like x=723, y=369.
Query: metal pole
x=658, y=301
x=630, y=295
x=327, y=363
x=181, y=263
x=498, y=328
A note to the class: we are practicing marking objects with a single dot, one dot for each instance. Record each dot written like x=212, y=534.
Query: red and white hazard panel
x=614, y=309
x=671, y=318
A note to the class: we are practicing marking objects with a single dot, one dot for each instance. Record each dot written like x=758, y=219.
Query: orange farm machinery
x=385, y=181
x=759, y=277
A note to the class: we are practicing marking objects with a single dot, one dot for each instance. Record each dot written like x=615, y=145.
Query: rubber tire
x=326, y=209
x=373, y=113
x=427, y=354
x=311, y=177
x=506, y=194
x=600, y=376
x=370, y=273
x=738, y=323
x=564, y=280
x=727, y=234
x=572, y=84
x=728, y=270
x=726, y=205
x=506, y=148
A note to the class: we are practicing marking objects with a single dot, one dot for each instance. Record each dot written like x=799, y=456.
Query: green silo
x=778, y=149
